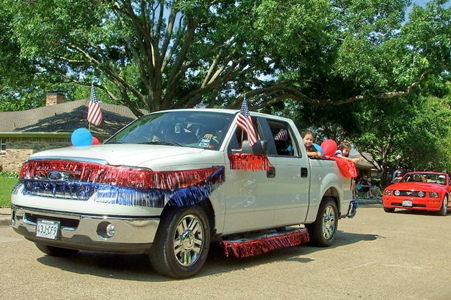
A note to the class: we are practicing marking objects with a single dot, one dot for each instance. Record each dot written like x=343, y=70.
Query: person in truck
x=344, y=148
x=308, y=137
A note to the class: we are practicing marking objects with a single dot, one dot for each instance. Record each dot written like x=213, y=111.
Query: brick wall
x=19, y=149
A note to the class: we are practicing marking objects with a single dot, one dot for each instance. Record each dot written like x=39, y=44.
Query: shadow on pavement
x=139, y=268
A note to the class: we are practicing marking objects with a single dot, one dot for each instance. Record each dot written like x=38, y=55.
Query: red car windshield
x=439, y=178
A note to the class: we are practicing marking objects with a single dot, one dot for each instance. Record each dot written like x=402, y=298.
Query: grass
x=6, y=186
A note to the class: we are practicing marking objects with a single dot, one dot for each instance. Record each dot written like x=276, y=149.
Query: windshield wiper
x=170, y=143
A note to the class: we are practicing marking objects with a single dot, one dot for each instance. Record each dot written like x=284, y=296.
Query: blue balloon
x=81, y=137
x=318, y=147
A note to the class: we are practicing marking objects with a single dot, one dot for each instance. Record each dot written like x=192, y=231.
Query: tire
x=56, y=251
x=322, y=232
x=444, y=208
x=182, y=242
x=389, y=210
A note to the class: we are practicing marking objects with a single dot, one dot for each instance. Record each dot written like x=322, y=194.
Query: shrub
x=7, y=174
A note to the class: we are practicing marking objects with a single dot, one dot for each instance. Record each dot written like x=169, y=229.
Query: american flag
x=245, y=122
x=94, y=113
x=282, y=135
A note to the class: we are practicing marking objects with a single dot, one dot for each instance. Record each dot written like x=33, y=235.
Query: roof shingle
x=66, y=117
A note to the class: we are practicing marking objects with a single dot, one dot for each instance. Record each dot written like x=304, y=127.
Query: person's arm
x=364, y=184
x=316, y=154
x=354, y=160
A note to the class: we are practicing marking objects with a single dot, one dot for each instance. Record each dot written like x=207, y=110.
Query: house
x=23, y=133
x=368, y=166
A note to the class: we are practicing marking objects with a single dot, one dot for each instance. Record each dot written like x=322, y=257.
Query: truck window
x=283, y=138
x=240, y=136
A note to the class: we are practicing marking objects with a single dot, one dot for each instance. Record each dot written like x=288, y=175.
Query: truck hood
x=122, y=154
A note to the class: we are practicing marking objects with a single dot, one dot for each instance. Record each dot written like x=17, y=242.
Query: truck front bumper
x=88, y=232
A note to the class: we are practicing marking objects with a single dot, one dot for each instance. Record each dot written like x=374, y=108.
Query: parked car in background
x=428, y=191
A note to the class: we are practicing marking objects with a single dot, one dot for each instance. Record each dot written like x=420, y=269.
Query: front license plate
x=47, y=229
x=406, y=203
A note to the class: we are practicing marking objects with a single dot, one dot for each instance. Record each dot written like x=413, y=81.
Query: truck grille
x=61, y=189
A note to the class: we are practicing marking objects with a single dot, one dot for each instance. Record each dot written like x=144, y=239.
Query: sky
x=423, y=2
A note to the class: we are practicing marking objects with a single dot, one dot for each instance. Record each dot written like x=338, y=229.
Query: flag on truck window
x=282, y=135
x=94, y=113
x=245, y=122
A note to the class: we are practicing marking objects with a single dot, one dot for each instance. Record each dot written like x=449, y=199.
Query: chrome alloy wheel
x=328, y=222
x=188, y=240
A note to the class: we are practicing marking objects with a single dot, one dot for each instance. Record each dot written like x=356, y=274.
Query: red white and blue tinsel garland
x=119, y=184
x=249, y=161
x=265, y=243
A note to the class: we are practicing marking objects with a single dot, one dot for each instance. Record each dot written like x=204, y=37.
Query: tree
x=167, y=54
x=419, y=130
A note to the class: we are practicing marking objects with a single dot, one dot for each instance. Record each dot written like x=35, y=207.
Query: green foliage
x=6, y=174
x=170, y=54
x=6, y=186
x=416, y=129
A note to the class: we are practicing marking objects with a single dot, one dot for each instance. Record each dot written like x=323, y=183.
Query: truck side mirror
x=260, y=147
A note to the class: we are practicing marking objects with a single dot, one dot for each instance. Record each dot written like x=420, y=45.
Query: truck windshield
x=199, y=129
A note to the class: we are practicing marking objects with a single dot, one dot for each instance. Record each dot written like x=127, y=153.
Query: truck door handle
x=304, y=172
x=271, y=173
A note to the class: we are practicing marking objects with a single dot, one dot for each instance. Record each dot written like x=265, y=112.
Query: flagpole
x=242, y=131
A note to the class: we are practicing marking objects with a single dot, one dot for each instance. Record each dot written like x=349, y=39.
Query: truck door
x=250, y=194
x=292, y=173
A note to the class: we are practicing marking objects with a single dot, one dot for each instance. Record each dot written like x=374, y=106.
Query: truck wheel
x=182, y=241
x=56, y=251
x=444, y=208
x=322, y=231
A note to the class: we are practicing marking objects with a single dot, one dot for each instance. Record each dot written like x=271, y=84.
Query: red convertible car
x=419, y=191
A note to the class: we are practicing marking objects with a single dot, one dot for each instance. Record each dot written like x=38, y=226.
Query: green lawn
x=6, y=186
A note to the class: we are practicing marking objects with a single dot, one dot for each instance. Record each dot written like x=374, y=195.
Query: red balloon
x=95, y=141
x=329, y=147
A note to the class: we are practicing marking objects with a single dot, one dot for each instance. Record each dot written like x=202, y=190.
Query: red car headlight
x=387, y=192
x=433, y=195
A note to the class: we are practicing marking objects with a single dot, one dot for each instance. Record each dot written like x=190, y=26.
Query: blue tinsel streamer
x=125, y=196
x=354, y=205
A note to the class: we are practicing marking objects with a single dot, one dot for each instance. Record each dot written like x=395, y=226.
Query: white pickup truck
x=172, y=182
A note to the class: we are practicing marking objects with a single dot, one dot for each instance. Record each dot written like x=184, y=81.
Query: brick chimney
x=52, y=98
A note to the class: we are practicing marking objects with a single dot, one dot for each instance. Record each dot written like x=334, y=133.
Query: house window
x=2, y=145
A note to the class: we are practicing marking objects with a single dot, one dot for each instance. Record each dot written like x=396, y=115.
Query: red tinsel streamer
x=249, y=161
x=122, y=176
x=347, y=167
x=247, y=248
